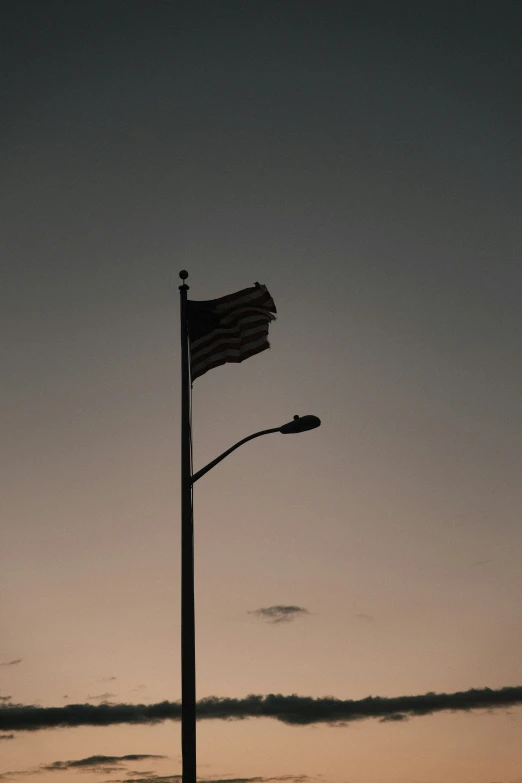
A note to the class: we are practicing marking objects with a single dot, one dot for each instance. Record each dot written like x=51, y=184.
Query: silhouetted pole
x=188, y=636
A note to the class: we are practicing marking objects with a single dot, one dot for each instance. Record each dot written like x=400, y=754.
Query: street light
x=188, y=631
x=188, y=636
x=298, y=424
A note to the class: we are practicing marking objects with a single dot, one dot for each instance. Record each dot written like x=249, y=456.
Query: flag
x=229, y=329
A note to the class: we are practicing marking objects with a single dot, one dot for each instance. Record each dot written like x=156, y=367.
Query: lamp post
x=188, y=665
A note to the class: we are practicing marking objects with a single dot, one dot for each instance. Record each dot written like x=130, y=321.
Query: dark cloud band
x=294, y=710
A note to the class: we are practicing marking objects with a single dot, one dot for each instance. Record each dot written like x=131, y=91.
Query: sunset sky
x=363, y=160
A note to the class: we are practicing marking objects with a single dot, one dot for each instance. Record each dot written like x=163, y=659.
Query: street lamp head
x=300, y=424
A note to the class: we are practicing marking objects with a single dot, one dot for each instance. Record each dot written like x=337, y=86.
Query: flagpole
x=188, y=636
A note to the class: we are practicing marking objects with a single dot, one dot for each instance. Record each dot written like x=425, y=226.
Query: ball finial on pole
x=183, y=274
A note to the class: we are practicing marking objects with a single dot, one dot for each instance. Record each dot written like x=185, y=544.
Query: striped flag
x=229, y=329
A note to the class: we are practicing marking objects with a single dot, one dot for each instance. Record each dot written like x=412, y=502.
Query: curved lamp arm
x=299, y=424
x=214, y=462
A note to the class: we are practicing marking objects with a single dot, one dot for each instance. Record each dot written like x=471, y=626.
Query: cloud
x=6, y=736
x=101, y=696
x=109, y=764
x=279, y=614
x=151, y=778
x=289, y=778
x=12, y=663
x=5, y=698
x=394, y=717
x=292, y=710
x=147, y=778
x=97, y=764
x=92, y=762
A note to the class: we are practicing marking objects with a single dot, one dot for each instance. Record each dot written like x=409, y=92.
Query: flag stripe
x=261, y=299
x=246, y=295
x=236, y=329
x=226, y=357
x=227, y=342
x=244, y=312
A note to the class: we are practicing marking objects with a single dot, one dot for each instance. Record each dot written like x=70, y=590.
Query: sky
x=363, y=161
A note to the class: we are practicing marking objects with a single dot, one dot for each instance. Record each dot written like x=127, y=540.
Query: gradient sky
x=363, y=160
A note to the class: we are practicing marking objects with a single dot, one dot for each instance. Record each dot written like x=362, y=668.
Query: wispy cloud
x=97, y=764
x=279, y=613
x=92, y=763
x=176, y=778
x=101, y=696
x=5, y=698
x=289, y=778
x=149, y=778
x=12, y=663
x=110, y=764
x=293, y=710
x=6, y=736
x=395, y=716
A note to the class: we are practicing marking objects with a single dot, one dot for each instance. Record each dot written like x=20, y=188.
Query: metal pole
x=188, y=637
